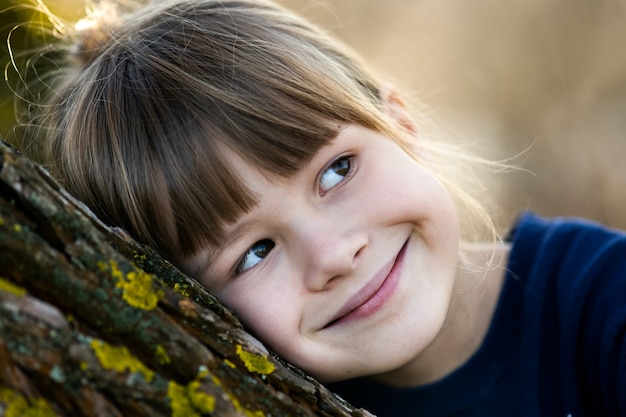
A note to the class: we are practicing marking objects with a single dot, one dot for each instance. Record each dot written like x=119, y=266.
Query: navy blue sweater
x=556, y=345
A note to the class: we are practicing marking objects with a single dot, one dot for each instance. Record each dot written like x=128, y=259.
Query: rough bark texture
x=94, y=324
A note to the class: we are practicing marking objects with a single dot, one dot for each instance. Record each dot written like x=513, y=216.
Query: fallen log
x=94, y=324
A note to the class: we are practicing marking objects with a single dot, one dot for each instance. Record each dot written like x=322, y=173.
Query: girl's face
x=347, y=268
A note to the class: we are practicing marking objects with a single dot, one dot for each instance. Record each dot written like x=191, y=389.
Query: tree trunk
x=94, y=324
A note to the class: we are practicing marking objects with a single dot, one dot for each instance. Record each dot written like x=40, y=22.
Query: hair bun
x=95, y=31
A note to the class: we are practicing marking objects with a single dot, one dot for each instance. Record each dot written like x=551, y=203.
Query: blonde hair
x=139, y=127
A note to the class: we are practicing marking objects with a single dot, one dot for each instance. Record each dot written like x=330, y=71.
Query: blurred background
x=539, y=82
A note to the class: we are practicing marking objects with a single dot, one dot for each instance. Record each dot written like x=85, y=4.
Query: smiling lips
x=373, y=295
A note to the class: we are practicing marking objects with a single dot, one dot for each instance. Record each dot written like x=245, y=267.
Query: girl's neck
x=477, y=288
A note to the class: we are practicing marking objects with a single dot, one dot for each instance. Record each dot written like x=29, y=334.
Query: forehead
x=257, y=183
x=265, y=184
x=254, y=178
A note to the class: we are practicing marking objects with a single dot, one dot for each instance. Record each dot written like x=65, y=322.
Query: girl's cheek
x=257, y=305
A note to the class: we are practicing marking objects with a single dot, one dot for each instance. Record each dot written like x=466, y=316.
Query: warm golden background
x=541, y=79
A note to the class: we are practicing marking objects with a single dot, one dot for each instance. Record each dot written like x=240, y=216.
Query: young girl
x=261, y=157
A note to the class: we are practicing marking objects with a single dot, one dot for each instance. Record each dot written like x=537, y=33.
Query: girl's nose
x=330, y=251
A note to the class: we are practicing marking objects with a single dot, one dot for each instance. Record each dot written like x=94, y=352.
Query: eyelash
x=267, y=245
x=347, y=166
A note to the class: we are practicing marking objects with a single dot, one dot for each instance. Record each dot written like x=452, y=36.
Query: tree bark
x=94, y=324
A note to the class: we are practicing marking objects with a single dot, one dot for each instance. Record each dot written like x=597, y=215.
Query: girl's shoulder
x=578, y=246
x=575, y=266
x=570, y=278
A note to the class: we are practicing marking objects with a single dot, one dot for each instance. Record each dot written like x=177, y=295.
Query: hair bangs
x=172, y=91
x=205, y=191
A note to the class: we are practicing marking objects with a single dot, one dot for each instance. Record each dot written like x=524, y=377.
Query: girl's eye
x=335, y=173
x=254, y=255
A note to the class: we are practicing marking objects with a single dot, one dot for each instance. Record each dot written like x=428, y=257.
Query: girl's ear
x=394, y=106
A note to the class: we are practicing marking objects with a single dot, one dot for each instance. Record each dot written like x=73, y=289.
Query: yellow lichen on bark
x=119, y=358
x=8, y=286
x=255, y=362
x=15, y=405
x=137, y=286
x=189, y=401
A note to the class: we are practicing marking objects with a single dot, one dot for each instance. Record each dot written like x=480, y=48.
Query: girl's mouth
x=374, y=294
